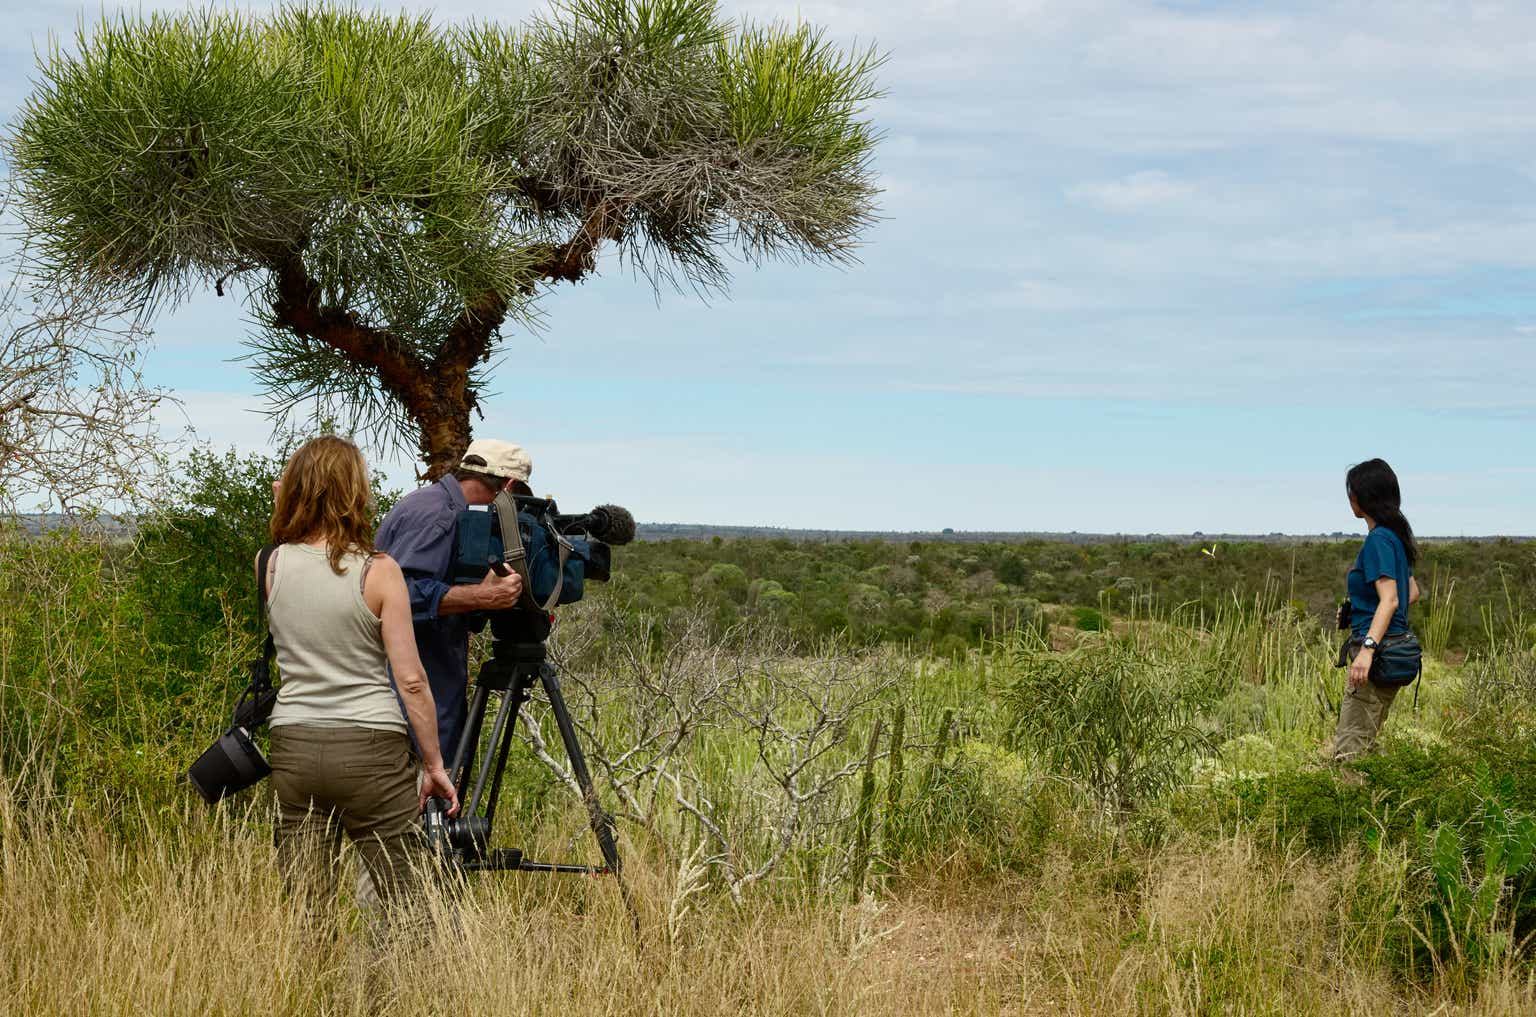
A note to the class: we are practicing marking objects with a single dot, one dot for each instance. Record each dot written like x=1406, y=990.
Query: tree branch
x=469, y=341
x=21, y=402
x=297, y=307
x=572, y=260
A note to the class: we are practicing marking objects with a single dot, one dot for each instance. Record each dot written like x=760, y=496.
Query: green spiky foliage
x=389, y=195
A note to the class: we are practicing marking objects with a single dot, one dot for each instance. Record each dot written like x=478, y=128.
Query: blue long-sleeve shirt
x=419, y=533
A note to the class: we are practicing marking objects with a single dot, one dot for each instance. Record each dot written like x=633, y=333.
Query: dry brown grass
x=193, y=920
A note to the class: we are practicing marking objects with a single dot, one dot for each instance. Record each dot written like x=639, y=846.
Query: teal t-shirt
x=1381, y=556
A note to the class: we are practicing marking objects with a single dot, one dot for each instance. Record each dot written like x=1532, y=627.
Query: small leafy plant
x=1123, y=724
x=1480, y=875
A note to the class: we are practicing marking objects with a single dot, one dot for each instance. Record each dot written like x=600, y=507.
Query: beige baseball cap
x=498, y=459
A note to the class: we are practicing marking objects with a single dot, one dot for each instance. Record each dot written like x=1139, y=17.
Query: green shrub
x=724, y=581
x=89, y=708
x=1089, y=619
x=1462, y=812
x=194, y=565
x=1124, y=724
x=1309, y=808
x=985, y=805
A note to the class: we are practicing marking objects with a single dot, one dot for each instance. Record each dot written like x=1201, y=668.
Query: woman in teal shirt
x=1380, y=586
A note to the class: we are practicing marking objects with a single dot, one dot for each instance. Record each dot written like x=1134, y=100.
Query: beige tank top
x=330, y=647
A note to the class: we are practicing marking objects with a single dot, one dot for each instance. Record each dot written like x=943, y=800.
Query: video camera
x=555, y=554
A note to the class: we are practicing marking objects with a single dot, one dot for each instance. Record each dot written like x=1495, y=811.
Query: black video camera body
x=555, y=554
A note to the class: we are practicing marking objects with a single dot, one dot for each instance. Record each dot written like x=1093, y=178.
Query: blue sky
x=1142, y=267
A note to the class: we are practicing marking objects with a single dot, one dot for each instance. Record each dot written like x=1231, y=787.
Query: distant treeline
x=126, y=526
x=708, y=531
x=944, y=596
x=939, y=594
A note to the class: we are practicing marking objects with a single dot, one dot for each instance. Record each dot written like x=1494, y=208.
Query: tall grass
x=192, y=920
x=959, y=866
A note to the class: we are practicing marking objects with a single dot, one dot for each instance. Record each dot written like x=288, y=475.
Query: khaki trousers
x=352, y=780
x=1361, y=717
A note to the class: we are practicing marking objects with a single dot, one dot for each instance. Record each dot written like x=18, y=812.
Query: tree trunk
x=445, y=432
x=434, y=393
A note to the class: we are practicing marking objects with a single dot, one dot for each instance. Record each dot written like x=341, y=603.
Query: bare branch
x=645, y=720
x=77, y=421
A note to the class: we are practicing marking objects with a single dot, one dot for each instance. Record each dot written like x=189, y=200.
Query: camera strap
x=515, y=556
x=264, y=562
x=256, y=702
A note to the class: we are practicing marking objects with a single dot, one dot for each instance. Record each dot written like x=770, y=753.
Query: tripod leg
x=602, y=823
x=495, y=753
x=464, y=754
x=515, y=697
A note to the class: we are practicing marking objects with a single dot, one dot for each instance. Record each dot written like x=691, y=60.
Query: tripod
x=518, y=660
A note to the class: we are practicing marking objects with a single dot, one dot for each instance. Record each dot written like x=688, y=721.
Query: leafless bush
x=77, y=420
x=1501, y=682
x=750, y=745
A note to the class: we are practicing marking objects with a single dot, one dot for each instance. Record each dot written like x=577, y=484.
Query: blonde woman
x=342, y=757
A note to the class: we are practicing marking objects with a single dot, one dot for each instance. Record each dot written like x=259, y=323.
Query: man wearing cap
x=419, y=534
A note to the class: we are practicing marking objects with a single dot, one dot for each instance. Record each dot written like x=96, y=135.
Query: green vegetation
x=1147, y=788
x=939, y=597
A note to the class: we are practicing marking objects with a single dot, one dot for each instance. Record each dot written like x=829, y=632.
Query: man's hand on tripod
x=434, y=783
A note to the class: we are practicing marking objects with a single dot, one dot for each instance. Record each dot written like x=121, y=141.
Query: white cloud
x=1144, y=189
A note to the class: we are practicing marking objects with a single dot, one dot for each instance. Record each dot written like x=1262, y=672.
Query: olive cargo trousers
x=352, y=780
x=1361, y=716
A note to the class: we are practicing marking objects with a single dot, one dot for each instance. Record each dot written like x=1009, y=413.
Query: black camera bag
x=234, y=762
x=1398, y=660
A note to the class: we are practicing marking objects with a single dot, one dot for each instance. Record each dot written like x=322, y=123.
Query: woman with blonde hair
x=342, y=757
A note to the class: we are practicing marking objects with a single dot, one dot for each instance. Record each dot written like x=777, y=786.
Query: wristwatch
x=1369, y=644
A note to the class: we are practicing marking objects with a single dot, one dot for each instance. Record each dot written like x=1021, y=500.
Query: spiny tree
x=389, y=196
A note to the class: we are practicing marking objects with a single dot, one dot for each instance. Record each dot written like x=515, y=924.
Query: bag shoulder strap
x=263, y=563
x=513, y=554
x=261, y=671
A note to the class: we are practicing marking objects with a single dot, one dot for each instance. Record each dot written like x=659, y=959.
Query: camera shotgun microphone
x=611, y=524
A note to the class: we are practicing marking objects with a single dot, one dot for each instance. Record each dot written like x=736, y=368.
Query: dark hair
x=469, y=469
x=1374, y=488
